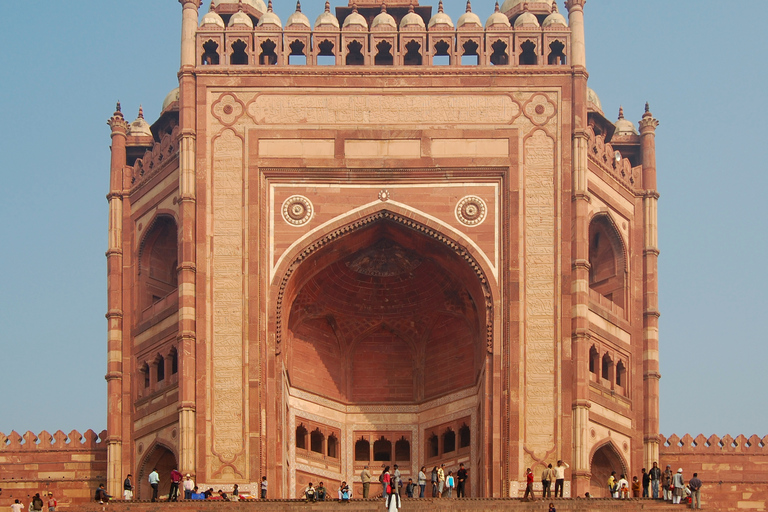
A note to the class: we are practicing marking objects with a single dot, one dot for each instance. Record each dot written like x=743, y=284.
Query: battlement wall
x=734, y=470
x=69, y=465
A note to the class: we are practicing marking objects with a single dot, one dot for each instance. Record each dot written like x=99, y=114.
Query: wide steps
x=409, y=505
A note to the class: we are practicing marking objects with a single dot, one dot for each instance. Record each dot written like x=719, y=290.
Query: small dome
x=240, y=18
x=172, y=97
x=469, y=18
x=527, y=20
x=355, y=19
x=440, y=18
x=298, y=18
x=256, y=4
x=624, y=126
x=270, y=18
x=326, y=19
x=383, y=19
x=412, y=20
x=212, y=19
x=593, y=98
x=554, y=19
x=140, y=127
x=497, y=18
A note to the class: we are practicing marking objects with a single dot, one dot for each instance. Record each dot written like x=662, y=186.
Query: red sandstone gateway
x=385, y=237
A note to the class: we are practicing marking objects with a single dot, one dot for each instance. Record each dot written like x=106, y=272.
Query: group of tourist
x=548, y=475
x=320, y=493
x=658, y=484
x=178, y=484
x=36, y=504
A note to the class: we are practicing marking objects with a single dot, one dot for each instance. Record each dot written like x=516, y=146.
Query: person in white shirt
x=17, y=507
x=189, y=485
x=623, y=487
x=560, y=477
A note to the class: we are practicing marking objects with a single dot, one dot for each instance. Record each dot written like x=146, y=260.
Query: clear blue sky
x=700, y=64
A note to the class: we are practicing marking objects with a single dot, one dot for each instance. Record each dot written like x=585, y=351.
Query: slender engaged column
x=114, y=315
x=651, y=373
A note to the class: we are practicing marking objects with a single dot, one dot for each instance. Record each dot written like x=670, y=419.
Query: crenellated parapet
x=713, y=444
x=611, y=161
x=512, y=36
x=89, y=440
x=155, y=159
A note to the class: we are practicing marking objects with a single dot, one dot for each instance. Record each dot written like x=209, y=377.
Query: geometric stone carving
x=297, y=210
x=471, y=211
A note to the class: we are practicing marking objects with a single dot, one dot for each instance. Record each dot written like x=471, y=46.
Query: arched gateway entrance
x=384, y=329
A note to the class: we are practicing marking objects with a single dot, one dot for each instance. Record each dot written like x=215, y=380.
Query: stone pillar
x=580, y=471
x=114, y=315
x=187, y=268
x=651, y=373
x=576, y=23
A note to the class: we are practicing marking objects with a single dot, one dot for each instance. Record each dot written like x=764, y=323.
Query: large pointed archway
x=384, y=329
x=605, y=459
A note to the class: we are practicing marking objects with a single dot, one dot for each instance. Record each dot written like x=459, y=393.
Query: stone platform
x=415, y=505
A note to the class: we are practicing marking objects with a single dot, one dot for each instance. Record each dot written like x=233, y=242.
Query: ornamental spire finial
x=327, y=6
x=141, y=112
x=440, y=6
x=469, y=6
x=496, y=9
x=269, y=6
x=621, y=112
x=298, y=5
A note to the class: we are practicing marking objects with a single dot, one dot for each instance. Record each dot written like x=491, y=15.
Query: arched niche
x=158, y=262
x=607, y=260
x=605, y=458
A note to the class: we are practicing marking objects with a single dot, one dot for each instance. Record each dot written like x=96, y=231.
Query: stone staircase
x=409, y=505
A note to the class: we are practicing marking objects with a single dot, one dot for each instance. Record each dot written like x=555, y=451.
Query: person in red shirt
x=529, y=485
x=173, y=494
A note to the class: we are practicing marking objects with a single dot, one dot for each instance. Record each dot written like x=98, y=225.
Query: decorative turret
x=469, y=19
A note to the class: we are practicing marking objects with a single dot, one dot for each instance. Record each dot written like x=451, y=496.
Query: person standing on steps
x=546, y=481
x=434, y=482
x=646, y=483
x=461, y=477
x=655, y=475
x=679, y=487
x=128, y=488
x=695, y=486
x=560, y=477
x=666, y=482
x=154, y=482
x=529, y=485
x=365, y=477
x=422, y=481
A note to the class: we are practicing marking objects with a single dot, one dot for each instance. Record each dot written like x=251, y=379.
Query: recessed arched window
x=470, y=56
x=464, y=437
x=325, y=56
x=145, y=371
x=556, y=54
x=621, y=373
x=412, y=55
x=355, y=54
x=316, y=439
x=301, y=437
x=528, y=54
x=158, y=276
x=382, y=450
x=402, y=450
x=362, y=450
x=433, y=448
x=333, y=446
x=594, y=360
x=160, y=368
x=297, y=57
x=607, y=274
x=268, y=57
x=607, y=367
x=174, y=362
x=239, y=55
x=384, y=54
x=449, y=441
x=441, y=57
x=210, y=53
x=499, y=57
